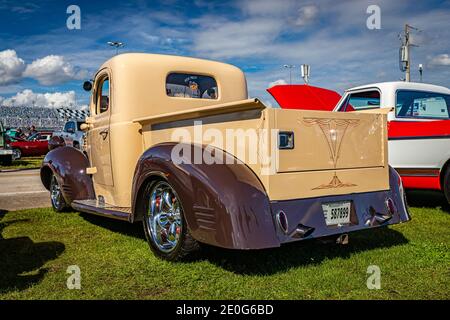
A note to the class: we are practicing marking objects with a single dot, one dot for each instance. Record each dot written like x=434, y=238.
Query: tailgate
x=334, y=153
x=331, y=140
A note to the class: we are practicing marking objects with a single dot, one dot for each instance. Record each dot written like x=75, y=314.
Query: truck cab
x=176, y=143
x=419, y=128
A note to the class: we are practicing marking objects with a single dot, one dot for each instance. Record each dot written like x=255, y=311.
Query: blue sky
x=40, y=55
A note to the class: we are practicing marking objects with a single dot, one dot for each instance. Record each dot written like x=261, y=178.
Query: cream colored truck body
x=334, y=153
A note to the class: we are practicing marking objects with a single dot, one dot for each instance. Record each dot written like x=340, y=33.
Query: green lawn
x=37, y=246
x=24, y=163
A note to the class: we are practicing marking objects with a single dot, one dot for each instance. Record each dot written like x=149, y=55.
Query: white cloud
x=306, y=15
x=11, y=67
x=52, y=70
x=28, y=98
x=237, y=38
x=277, y=82
x=440, y=60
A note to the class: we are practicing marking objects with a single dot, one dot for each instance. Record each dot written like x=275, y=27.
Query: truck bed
x=334, y=153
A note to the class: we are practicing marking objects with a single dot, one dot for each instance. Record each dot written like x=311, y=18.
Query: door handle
x=104, y=134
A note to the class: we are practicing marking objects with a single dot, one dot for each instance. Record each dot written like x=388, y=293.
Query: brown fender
x=69, y=166
x=224, y=204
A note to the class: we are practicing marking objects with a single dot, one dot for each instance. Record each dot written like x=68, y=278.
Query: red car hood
x=302, y=96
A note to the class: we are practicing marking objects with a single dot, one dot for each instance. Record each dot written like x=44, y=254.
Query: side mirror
x=87, y=86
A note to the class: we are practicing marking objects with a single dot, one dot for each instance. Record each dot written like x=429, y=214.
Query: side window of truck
x=422, y=105
x=191, y=86
x=102, y=98
x=361, y=101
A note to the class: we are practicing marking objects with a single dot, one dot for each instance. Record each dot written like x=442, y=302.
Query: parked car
x=11, y=132
x=419, y=129
x=34, y=145
x=307, y=174
x=71, y=134
x=6, y=154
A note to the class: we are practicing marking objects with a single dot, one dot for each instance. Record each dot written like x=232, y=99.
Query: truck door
x=98, y=135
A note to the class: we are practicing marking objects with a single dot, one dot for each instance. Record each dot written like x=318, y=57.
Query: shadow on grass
x=271, y=261
x=427, y=199
x=21, y=255
x=122, y=227
x=303, y=253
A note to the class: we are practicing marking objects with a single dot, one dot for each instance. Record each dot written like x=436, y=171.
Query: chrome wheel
x=55, y=193
x=164, y=221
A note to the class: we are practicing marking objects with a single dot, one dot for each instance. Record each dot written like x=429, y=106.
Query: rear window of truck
x=422, y=105
x=186, y=85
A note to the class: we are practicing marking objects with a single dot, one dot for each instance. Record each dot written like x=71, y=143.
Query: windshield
x=33, y=136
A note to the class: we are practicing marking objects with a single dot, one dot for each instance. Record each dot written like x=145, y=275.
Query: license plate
x=337, y=213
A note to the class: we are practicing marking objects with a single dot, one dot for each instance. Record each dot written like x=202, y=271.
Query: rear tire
x=56, y=196
x=164, y=223
x=446, y=187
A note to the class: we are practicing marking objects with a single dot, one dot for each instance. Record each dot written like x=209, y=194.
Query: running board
x=103, y=209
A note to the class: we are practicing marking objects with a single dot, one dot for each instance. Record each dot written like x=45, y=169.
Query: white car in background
x=418, y=129
x=71, y=134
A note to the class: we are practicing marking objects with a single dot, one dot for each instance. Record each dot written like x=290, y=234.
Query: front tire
x=56, y=196
x=164, y=223
x=446, y=187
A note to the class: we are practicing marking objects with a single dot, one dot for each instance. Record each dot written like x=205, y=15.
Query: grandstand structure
x=43, y=118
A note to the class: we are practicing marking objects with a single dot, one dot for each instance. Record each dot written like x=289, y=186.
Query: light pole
x=305, y=71
x=116, y=44
x=405, y=57
x=289, y=66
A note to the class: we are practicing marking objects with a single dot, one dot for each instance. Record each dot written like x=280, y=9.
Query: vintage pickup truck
x=419, y=129
x=175, y=142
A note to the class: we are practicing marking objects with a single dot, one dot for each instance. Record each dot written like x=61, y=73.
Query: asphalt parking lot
x=22, y=190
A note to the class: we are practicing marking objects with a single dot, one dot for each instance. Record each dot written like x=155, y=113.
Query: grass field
x=37, y=246
x=24, y=163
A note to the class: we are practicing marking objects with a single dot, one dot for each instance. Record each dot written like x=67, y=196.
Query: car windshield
x=33, y=136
